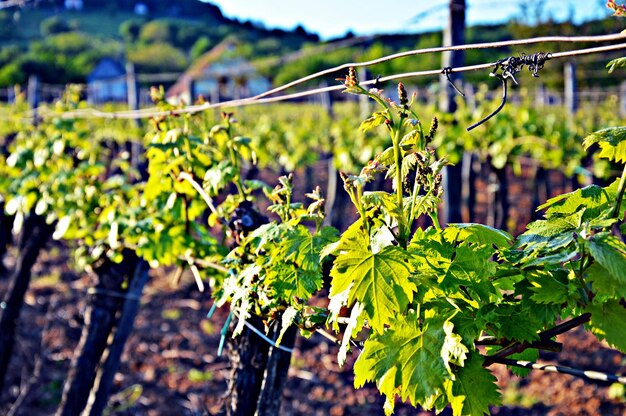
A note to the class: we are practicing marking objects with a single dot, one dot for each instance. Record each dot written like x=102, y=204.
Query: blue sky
x=332, y=18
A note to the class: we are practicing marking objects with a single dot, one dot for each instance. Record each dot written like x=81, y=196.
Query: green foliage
x=200, y=46
x=422, y=297
x=53, y=26
x=611, y=142
x=610, y=252
x=129, y=30
x=428, y=294
x=158, y=57
x=475, y=389
x=378, y=280
x=157, y=31
x=407, y=360
x=278, y=266
x=607, y=322
x=615, y=64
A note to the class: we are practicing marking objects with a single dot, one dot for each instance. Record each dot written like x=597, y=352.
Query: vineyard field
x=371, y=256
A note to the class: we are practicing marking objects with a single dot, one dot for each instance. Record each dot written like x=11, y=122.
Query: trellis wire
x=250, y=327
x=591, y=375
x=489, y=45
x=262, y=98
x=151, y=112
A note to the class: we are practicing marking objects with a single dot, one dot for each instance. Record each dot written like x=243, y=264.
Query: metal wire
x=152, y=112
x=588, y=374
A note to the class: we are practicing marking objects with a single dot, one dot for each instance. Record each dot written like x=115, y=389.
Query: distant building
x=107, y=82
x=218, y=75
x=73, y=4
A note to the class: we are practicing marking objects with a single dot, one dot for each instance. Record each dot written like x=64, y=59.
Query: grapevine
x=434, y=305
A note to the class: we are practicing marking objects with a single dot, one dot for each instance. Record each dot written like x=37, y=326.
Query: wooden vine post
x=101, y=319
x=454, y=34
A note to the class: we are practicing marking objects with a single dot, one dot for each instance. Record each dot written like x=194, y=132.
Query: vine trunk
x=34, y=237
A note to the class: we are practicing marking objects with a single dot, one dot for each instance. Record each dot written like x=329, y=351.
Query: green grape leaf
x=354, y=236
x=608, y=322
x=263, y=235
x=610, y=252
x=289, y=316
x=611, y=141
x=474, y=389
x=552, y=259
x=218, y=177
x=548, y=287
x=424, y=204
x=513, y=321
x=471, y=269
x=381, y=281
x=406, y=359
x=386, y=158
x=478, y=233
x=375, y=120
x=616, y=63
x=299, y=246
x=410, y=140
x=409, y=163
x=545, y=230
x=592, y=196
x=603, y=283
x=288, y=281
x=382, y=200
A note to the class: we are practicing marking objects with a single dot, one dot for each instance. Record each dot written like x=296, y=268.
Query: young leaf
x=616, y=63
x=288, y=281
x=355, y=324
x=381, y=281
x=289, y=316
x=478, y=233
x=375, y=120
x=299, y=246
x=611, y=142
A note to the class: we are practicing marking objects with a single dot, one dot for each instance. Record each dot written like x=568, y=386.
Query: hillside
x=62, y=45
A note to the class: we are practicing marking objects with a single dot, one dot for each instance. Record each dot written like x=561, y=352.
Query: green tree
x=158, y=57
x=157, y=31
x=202, y=45
x=129, y=30
x=54, y=25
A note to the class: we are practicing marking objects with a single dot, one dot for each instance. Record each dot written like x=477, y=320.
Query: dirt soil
x=171, y=367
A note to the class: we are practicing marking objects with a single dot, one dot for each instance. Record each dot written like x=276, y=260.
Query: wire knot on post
x=446, y=71
x=514, y=64
x=510, y=67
